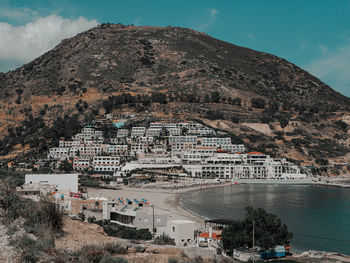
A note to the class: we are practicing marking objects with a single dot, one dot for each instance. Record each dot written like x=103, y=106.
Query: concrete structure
x=122, y=133
x=182, y=231
x=35, y=191
x=65, y=182
x=138, y=131
x=106, y=163
x=153, y=132
x=59, y=153
x=245, y=255
x=215, y=141
x=137, y=216
x=81, y=163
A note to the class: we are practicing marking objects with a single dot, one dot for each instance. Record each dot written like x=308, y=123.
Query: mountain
x=263, y=100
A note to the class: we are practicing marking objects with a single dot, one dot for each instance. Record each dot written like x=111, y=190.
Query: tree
x=66, y=166
x=215, y=97
x=283, y=122
x=269, y=231
x=258, y=103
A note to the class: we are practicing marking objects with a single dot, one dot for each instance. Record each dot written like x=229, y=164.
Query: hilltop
x=263, y=100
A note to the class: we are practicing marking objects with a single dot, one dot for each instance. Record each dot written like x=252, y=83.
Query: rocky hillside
x=263, y=100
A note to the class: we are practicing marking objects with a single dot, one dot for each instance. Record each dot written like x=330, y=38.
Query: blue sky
x=314, y=35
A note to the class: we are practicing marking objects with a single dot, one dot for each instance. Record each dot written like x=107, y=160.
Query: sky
x=313, y=34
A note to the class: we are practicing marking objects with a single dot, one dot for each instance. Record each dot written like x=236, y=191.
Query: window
x=173, y=229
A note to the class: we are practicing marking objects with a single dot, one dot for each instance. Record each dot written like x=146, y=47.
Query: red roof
x=221, y=151
x=206, y=235
x=255, y=153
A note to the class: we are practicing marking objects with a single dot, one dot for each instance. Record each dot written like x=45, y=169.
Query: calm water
x=318, y=216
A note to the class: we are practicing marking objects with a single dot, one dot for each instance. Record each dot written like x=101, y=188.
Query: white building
x=182, y=139
x=63, y=143
x=106, y=163
x=118, y=149
x=153, y=132
x=136, y=216
x=122, y=133
x=64, y=182
x=174, y=131
x=215, y=141
x=182, y=231
x=138, y=131
x=156, y=125
x=139, y=147
x=81, y=163
x=233, y=148
x=59, y=153
x=197, y=155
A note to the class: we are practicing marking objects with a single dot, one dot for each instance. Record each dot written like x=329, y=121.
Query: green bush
x=173, y=260
x=126, y=233
x=82, y=217
x=258, y=103
x=44, y=214
x=30, y=257
x=91, y=219
x=115, y=248
x=92, y=253
x=164, y=240
x=215, y=115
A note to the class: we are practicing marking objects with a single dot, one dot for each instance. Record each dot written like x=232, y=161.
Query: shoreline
x=170, y=200
x=163, y=199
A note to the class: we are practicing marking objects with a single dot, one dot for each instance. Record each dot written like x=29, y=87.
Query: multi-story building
x=118, y=149
x=156, y=125
x=145, y=139
x=253, y=165
x=233, y=148
x=181, y=146
x=81, y=163
x=59, y=153
x=215, y=141
x=122, y=133
x=63, y=143
x=106, y=163
x=86, y=150
x=138, y=131
x=153, y=132
x=139, y=147
x=174, y=131
x=182, y=139
x=196, y=155
x=136, y=216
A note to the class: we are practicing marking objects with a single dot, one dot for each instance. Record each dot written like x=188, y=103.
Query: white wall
x=181, y=231
x=67, y=182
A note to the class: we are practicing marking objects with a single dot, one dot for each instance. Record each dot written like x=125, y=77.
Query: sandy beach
x=167, y=200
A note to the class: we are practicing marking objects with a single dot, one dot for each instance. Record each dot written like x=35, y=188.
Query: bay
x=318, y=216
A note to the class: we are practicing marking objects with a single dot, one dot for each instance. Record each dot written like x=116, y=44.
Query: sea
x=318, y=216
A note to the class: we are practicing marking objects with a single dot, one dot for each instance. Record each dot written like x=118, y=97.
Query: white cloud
x=19, y=14
x=334, y=68
x=21, y=44
x=211, y=19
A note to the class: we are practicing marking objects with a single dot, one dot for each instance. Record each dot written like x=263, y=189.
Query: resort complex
x=199, y=151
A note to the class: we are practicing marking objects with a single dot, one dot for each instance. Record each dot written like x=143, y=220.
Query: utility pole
x=253, y=241
x=153, y=220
